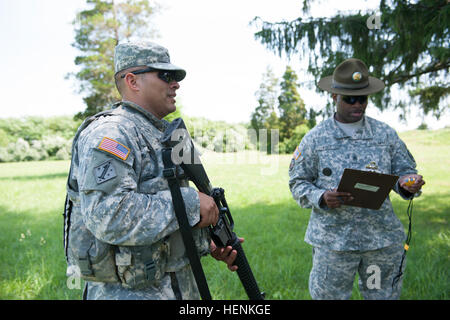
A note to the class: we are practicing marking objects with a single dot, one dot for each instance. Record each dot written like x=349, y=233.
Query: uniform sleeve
x=112, y=208
x=402, y=163
x=303, y=172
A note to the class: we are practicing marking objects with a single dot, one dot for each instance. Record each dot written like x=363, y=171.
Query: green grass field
x=32, y=263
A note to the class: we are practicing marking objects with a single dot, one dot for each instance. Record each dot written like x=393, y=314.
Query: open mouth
x=172, y=97
x=356, y=113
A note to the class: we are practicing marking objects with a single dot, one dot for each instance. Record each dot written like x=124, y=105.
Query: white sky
x=211, y=39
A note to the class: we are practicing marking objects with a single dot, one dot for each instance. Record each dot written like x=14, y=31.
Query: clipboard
x=368, y=188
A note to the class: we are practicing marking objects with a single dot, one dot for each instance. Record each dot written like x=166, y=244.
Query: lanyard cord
x=409, y=211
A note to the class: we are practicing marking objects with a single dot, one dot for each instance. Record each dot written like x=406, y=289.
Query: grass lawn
x=32, y=263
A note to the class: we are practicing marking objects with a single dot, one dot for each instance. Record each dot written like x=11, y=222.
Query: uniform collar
x=363, y=133
x=160, y=124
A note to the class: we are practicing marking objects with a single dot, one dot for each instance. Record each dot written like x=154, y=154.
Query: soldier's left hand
x=416, y=186
x=227, y=254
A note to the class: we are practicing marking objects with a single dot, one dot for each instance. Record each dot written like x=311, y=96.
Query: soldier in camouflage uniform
x=122, y=233
x=348, y=239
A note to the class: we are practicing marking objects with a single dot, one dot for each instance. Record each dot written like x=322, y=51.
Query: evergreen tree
x=290, y=105
x=97, y=31
x=267, y=99
x=265, y=117
x=409, y=48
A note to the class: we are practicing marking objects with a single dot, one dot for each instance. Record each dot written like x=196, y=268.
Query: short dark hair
x=120, y=81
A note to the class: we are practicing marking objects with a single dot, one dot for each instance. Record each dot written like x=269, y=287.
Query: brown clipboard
x=368, y=188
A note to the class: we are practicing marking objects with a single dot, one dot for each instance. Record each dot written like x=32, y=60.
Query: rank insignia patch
x=116, y=148
x=104, y=172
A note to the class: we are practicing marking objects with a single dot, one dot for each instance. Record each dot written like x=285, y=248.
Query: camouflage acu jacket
x=125, y=201
x=317, y=166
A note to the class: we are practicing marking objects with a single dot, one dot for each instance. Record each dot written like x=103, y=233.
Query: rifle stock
x=184, y=154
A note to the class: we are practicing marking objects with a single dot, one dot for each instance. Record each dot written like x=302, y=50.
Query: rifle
x=186, y=156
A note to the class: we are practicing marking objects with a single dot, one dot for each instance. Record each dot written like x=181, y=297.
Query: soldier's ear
x=131, y=81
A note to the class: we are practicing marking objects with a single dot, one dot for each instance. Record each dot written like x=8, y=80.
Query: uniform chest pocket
x=151, y=180
x=377, y=152
x=332, y=161
x=150, y=168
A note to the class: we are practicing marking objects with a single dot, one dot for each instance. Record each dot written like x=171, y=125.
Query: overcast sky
x=211, y=39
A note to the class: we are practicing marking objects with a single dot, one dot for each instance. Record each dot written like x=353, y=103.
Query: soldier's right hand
x=209, y=213
x=334, y=199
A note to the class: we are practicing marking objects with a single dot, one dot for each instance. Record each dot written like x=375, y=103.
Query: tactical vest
x=135, y=267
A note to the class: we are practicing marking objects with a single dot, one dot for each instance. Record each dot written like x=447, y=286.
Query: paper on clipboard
x=368, y=188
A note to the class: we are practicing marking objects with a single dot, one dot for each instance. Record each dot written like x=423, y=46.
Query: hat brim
x=180, y=73
x=375, y=85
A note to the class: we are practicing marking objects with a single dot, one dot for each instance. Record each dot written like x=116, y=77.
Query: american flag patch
x=116, y=148
x=297, y=153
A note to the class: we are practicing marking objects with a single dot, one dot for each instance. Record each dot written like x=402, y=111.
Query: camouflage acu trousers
x=333, y=273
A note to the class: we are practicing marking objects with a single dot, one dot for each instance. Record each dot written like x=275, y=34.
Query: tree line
x=408, y=49
x=38, y=138
x=281, y=108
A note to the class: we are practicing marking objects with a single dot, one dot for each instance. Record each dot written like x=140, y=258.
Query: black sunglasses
x=353, y=99
x=164, y=75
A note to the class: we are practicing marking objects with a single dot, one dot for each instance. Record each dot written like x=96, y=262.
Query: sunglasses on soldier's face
x=164, y=75
x=353, y=99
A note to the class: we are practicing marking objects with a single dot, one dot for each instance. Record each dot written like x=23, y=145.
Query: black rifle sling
x=185, y=229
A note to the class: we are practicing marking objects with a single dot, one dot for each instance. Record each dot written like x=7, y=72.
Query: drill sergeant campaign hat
x=135, y=54
x=351, y=78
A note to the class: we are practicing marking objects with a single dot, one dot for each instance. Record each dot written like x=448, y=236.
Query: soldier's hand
x=414, y=187
x=209, y=213
x=227, y=254
x=334, y=199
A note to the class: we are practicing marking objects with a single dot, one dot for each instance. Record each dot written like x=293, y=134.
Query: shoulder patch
x=116, y=148
x=297, y=153
x=104, y=172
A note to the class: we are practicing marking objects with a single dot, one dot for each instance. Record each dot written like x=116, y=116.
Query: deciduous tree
x=98, y=30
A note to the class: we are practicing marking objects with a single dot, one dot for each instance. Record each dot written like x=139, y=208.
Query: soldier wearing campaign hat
x=121, y=234
x=346, y=239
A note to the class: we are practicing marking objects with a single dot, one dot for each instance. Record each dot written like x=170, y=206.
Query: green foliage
x=411, y=47
x=264, y=117
x=97, y=31
x=267, y=98
x=289, y=145
x=218, y=136
x=429, y=98
x=36, y=138
x=35, y=128
x=291, y=106
x=4, y=138
x=177, y=114
x=422, y=126
x=292, y=118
